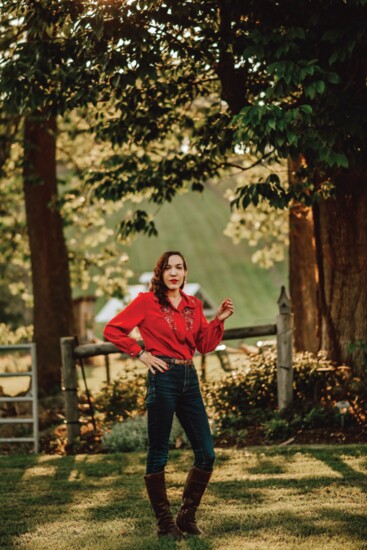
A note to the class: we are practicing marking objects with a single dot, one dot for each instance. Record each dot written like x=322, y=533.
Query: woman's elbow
x=107, y=332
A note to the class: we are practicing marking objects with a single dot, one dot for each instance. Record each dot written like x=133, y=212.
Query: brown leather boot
x=196, y=483
x=156, y=488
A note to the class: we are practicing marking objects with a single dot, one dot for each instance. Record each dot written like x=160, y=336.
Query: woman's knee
x=205, y=460
x=156, y=461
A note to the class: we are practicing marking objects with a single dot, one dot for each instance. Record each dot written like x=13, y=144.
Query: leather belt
x=176, y=361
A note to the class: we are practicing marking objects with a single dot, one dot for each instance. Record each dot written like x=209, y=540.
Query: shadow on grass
x=46, y=496
x=109, y=488
x=343, y=523
x=267, y=466
x=252, y=525
x=334, y=461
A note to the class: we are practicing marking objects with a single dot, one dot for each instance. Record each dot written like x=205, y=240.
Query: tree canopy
x=195, y=84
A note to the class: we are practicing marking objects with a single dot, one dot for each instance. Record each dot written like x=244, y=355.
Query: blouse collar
x=189, y=300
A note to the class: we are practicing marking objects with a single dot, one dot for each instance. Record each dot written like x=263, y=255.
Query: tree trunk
x=303, y=277
x=53, y=312
x=341, y=250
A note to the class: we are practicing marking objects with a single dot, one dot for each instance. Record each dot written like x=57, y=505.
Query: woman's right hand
x=150, y=361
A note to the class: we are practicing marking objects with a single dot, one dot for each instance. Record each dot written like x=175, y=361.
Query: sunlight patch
x=40, y=471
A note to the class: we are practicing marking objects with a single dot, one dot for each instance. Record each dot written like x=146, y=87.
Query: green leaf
x=310, y=90
x=334, y=57
x=306, y=109
x=320, y=86
x=341, y=160
x=333, y=78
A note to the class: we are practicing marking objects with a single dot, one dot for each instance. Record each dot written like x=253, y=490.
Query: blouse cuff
x=134, y=350
x=218, y=321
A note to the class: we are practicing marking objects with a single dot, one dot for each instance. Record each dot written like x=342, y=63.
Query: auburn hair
x=157, y=284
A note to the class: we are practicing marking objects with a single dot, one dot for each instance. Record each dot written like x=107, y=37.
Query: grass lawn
x=308, y=497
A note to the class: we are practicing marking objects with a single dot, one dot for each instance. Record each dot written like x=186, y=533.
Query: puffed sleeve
x=117, y=330
x=210, y=333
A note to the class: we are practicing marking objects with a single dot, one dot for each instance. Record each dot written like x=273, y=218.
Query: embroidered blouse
x=165, y=330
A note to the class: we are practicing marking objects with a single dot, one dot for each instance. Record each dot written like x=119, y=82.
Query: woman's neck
x=173, y=293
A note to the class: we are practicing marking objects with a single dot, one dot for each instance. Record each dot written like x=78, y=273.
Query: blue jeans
x=176, y=391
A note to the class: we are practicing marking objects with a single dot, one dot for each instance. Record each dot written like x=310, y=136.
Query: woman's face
x=174, y=272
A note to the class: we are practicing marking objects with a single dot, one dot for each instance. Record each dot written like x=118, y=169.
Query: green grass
x=311, y=497
x=193, y=223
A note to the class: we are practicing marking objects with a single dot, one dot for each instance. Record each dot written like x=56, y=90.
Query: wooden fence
x=282, y=329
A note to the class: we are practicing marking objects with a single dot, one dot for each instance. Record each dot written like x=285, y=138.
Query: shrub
x=277, y=428
x=242, y=398
x=122, y=398
x=132, y=435
x=319, y=417
x=249, y=398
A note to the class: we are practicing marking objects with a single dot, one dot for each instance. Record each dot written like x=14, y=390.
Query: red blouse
x=170, y=331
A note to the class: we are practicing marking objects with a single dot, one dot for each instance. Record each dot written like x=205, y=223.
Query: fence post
x=284, y=323
x=70, y=387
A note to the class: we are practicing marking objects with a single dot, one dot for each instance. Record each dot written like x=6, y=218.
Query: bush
x=277, y=428
x=131, y=435
x=122, y=398
x=249, y=398
x=319, y=417
x=243, y=398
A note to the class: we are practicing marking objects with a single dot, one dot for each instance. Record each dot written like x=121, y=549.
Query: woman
x=172, y=325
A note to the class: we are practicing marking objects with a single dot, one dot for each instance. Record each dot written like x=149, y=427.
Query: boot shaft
x=196, y=484
x=157, y=493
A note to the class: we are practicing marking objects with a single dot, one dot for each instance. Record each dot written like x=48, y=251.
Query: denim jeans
x=176, y=391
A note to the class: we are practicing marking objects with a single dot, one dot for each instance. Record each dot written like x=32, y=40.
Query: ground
x=304, y=497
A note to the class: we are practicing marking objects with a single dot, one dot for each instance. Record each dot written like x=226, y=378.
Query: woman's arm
x=211, y=333
x=117, y=330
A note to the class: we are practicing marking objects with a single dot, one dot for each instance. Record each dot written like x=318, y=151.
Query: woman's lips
x=174, y=281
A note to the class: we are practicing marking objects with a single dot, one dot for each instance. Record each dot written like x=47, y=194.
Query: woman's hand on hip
x=225, y=309
x=154, y=363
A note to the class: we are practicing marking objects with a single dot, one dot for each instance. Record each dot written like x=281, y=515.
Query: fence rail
x=282, y=328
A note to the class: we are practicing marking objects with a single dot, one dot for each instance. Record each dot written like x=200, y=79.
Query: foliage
x=282, y=425
x=20, y=335
x=122, y=398
x=199, y=85
x=267, y=79
x=277, y=428
x=96, y=260
x=240, y=395
x=15, y=280
x=262, y=226
x=249, y=398
x=132, y=435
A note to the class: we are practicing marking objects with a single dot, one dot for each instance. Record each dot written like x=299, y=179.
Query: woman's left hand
x=225, y=309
